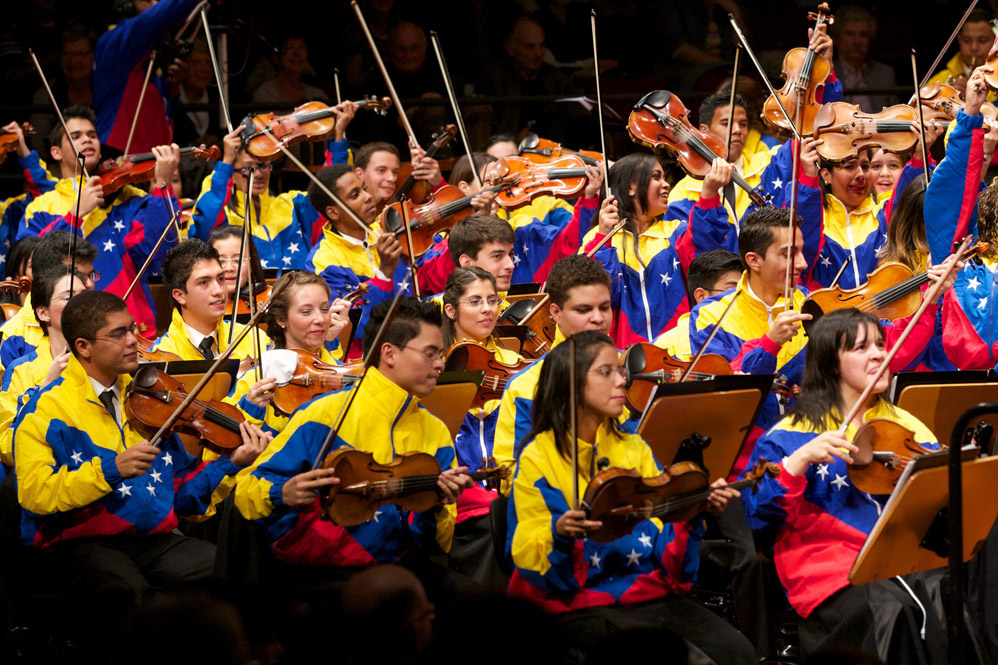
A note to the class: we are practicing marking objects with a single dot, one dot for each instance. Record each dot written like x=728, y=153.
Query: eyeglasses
x=94, y=276
x=118, y=335
x=476, y=303
x=263, y=167
x=431, y=352
x=229, y=262
x=608, y=371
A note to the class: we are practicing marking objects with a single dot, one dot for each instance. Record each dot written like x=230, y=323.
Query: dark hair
x=281, y=303
x=820, y=393
x=756, y=234
x=363, y=156
x=229, y=231
x=716, y=101
x=550, y=408
x=328, y=176
x=462, y=168
x=86, y=313
x=634, y=169
x=979, y=15
x=404, y=326
x=475, y=231
x=74, y=32
x=54, y=248
x=906, y=241
x=180, y=261
x=457, y=286
x=826, y=187
x=572, y=271
x=68, y=113
x=710, y=266
x=17, y=258
x=499, y=138
x=987, y=218
x=43, y=286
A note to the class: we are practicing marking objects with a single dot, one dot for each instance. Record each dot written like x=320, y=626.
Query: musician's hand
x=167, y=161
x=786, y=325
x=344, y=113
x=92, y=196
x=262, y=392
x=454, y=481
x=231, y=144
x=718, y=176
x=302, y=490
x=573, y=524
x=22, y=147
x=177, y=71
x=608, y=217
x=594, y=181
x=255, y=441
x=136, y=460
x=823, y=449
x=717, y=501
x=976, y=90
x=936, y=272
x=425, y=168
x=809, y=155
x=55, y=370
x=339, y=318
x=821, y=42
x=484, y=202
x=389, y=250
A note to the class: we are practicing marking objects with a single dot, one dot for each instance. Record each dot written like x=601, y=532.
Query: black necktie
x=107, y=399
x=206, y=348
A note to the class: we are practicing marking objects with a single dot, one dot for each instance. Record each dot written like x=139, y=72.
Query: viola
x=419, y=191
x=542, y=151
x=469, y=355
x=847, y=130
x=116, y=173
x=313, y=121
x=649, y=366
x=9, y=140
x=804, y=72
x=152, y=398
x=187, y=212
x=312, y=378
x=410, y=481
x=659, y=120
x=885, y=448
x=524, y=180
x=892, y=292
x=622, y=498
x=541, y=328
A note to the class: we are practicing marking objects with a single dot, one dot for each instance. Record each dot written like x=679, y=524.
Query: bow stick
x=457, y=111
x=55, y=106
x=956, y=31
x=175, y=215
x=710, y=337
x=572, y=422
x=599, y=108
x=921, y=119
x=731, y=100
x=240, y=266
x=218, y=74
x=138, y=105
x=336, y=84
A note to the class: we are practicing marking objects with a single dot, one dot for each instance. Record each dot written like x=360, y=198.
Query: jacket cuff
x=769, y=346
x=275, y=495
x=227, y=465
x=808, y=180
x=29, y=161
x=708, y=202
x=109, y=469
x=969, y=121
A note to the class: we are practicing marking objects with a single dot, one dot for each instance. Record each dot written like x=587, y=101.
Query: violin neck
x=558, y=174
x=900, y=290
x=312, y=116
x=148, y=156
x=675, y=502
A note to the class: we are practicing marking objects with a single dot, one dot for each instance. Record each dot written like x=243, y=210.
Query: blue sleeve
x=154, y=215
x=423, y=525
x=37, y=179
x=950, y=208
x=121, y=48
x=196, y=483
x=337, y=152
x=709, y=228
x=209, y=210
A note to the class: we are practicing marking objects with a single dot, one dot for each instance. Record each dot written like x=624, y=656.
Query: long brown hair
x=281, y=303
x=906, y=241
x=457, y=285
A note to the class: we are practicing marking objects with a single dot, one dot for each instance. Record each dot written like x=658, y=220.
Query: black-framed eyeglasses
x=118, y=335
x=263, y=167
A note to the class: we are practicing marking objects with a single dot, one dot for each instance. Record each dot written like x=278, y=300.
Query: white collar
x=195, y=336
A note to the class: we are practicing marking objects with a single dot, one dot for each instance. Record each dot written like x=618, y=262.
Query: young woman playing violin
x=227, y=240
x=821, y=517
x=597, y=587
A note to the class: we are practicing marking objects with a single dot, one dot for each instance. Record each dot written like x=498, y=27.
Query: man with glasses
x=283, y=490
x=94, y=491
x=283, y=226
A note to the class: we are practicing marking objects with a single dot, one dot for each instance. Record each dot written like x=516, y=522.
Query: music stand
x=939, y=398
x=911, y=534
x=452, y=397
x=720, y=411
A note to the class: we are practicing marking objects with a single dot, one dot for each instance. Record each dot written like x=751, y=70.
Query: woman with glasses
x=635, y=581
x=282, y=225
x=227, y=241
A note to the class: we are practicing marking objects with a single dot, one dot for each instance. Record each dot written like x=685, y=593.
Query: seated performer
x=822, y=519
x=602, y=588
x=377, y=164
x=227, y=240
x=199, y=329
x=283, y=490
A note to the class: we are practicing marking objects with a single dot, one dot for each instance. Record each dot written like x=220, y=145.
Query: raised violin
x=622, y=498
x=9, y=140
x=659, y=120
x=649, y=366
x=542, y=151
x=534, y=315
x=847, y=130
x=469, y=355
x=20, y=287
x=116, y=173
x=309, y=122
x=941, y=102
x=419, y=191
x=440, y=212
x=523, y=180
x=312, y=378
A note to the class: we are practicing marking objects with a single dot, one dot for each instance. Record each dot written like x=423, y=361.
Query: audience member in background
x=286, y=87
x=854, y=30
x=72, y=85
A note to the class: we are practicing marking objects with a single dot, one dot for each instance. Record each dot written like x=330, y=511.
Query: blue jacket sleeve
x=209, y=210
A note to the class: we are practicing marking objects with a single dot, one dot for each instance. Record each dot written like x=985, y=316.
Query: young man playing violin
x=198, y=329
x=377, y=164
x=286, y=493
x=94, y=491
x=125, y=225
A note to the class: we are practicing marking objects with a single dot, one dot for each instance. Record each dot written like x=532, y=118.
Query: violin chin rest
x=655, y=99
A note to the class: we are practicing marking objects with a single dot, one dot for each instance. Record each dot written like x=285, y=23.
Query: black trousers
x=472, y=554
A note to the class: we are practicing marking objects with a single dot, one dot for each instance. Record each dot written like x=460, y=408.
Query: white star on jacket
x=825, y=261
x=293, y=247
x=118, y=225
x=645, y=540
x=157, y=476
x=377, y=514
x=666, y=279
x=822, y=471
x=675, y=263
x=152, y=490
x=125, y=491
x=840, y=481
x=526, y=250
x=77, y=457
x=168, y=459
x=108, y=246
x=973, y=283
x=287, y=260
x=516, y=259
x=983, y=303
x=595, y=560
x=777, y=184
x=633, y=558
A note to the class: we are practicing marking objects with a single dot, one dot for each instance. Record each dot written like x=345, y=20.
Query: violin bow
x=241, y=265
x=599, y=109
x=412, y=253
x=175, y=214
x=138, y=105
x=448, y=84
x=243, y=268
x=384, y=73
x=710, y=337
x=222, y=89
x=921, y=119
x=336, y=84
x=55, y=107
x=192, y=395
x=573, y=424
x=931, y=296
x=939, y=58
x=731, y=100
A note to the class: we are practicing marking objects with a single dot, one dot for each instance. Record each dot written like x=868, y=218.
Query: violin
x=804, y=72
x=309, y=122
x=532, y=313
x=440, y=212
x=649, y=366
x=621, y=498
x=18, y=286
x=410, y=481
x=542, y=151
x=885, y=448
x=9, y=140
x=847, y=130
x=116, y=173
x=261, y=293
x=659, y=120
x=147, y=355
x=152, y=398
x=523, y=180
x=469, y=355
x=187, y=212
x=892, y=292
x=419, y=191
x=941, y=102
x=313, y=377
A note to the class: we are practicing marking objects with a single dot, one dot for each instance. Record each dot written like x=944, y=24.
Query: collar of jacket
x=836, y=207
x=751, y=302
x=385, y=398
x=75, y=378
x=351, y=245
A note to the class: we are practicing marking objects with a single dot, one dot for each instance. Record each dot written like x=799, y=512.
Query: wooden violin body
x=20, y=287
x=312, y=378
x=474, y=356
x=147, y=355
x=941, y=102
x=418, y=191
x=9, y=140
x=885, y=447
x=440, y=212
x=649, y=366
x=533, y=313
x=542, y=151
x=524, y=180
x=116, y=173
x=847, y=130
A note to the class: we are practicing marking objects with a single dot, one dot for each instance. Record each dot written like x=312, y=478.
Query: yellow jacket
x=177, y=342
